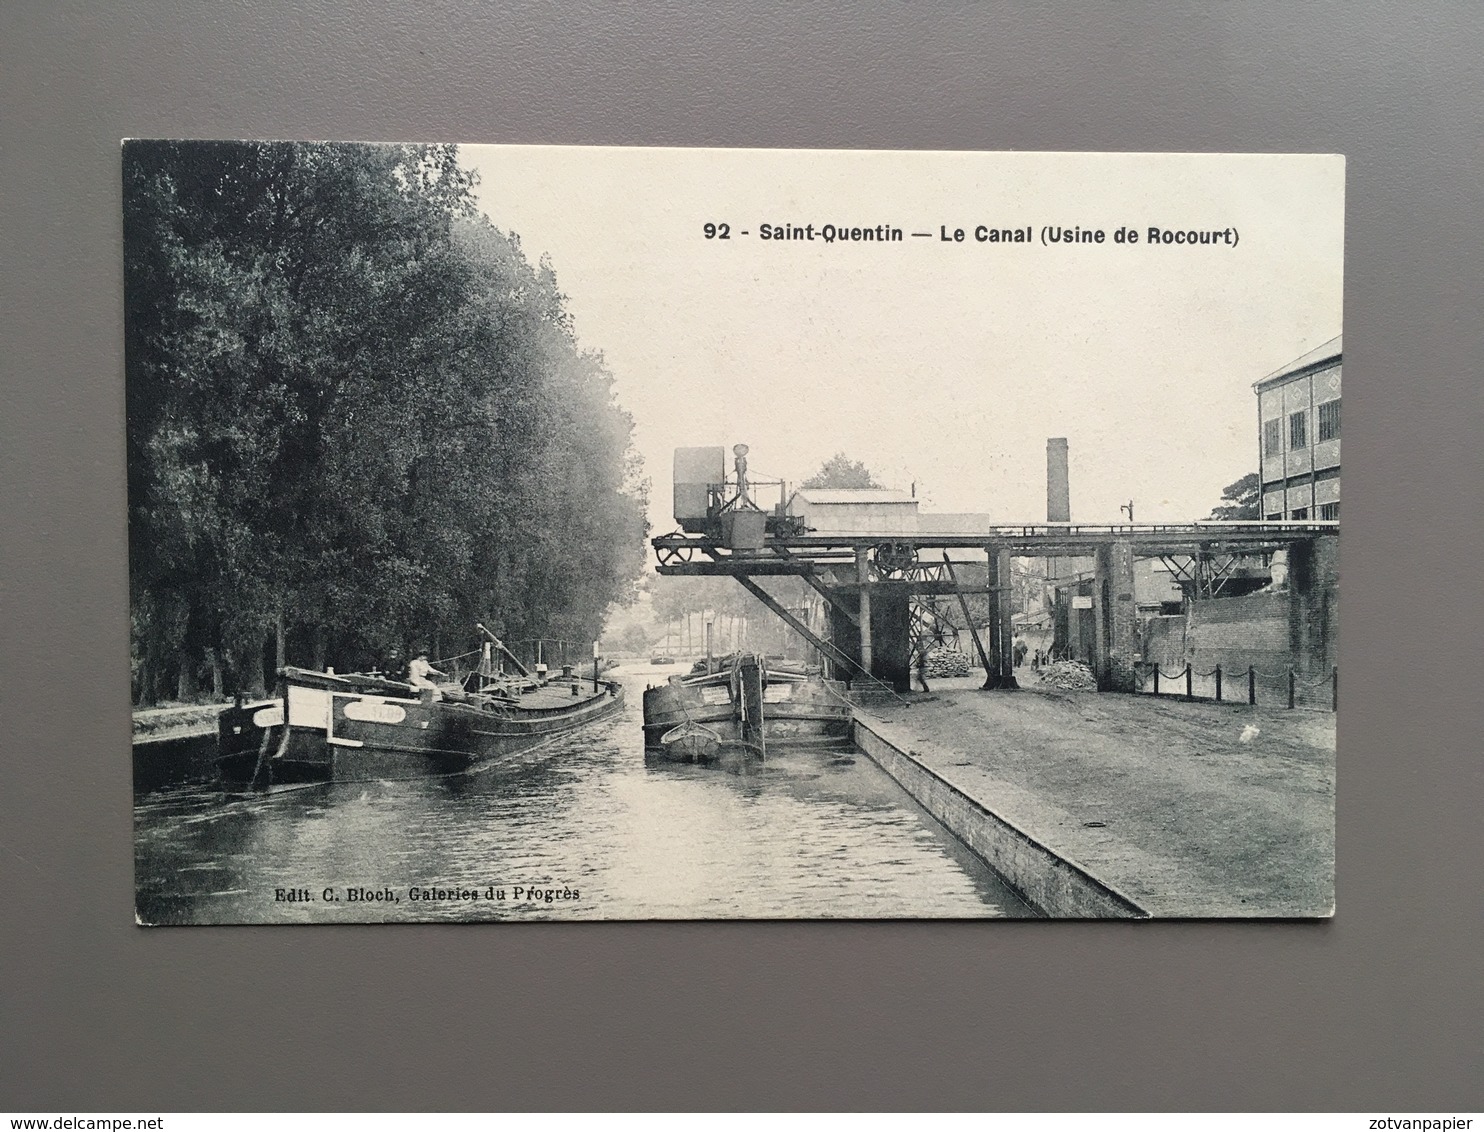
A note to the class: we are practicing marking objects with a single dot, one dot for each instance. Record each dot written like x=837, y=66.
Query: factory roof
x=854, y=495
x=953, y=522
x=1318, y=358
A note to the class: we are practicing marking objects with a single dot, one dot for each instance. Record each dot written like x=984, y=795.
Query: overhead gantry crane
x=872, y=581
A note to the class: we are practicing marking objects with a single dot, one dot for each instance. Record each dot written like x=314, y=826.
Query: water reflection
x=810, y=835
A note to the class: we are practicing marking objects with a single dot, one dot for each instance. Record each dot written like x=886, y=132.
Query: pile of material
x=1072, y=675
x=944, y=662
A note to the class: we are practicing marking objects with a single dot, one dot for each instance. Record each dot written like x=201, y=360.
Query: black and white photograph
x=622, y=533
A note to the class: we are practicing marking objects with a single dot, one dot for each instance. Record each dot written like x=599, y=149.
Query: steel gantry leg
x=795, y=624
x=1001, y=658
x=963, y=604
x=1006, y=609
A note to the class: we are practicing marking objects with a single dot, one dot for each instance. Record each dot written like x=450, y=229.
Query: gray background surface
x=1379, y=1009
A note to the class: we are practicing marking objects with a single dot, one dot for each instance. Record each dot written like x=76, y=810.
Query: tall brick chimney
x=1058, y=488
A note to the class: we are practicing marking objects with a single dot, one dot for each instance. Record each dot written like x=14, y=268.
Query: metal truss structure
x=1203, y=553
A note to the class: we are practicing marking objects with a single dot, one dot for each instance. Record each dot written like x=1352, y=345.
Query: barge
x=324, y=727
x=743, y=703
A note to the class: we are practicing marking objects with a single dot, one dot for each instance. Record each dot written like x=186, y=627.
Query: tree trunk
x=321, y=645
x=218, y=681
x=253, y=665
x=280, y=644
x=185, y=684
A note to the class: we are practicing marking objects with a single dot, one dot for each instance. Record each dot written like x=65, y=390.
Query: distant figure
x=1019, y=650
x=418, y=671
x=922, y=668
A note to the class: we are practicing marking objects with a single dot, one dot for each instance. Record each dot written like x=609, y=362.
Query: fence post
x=1334, y=688
x=1190, y=681
x=1290, y=686
x=1156, y=677
x=1251, y=685
x=1218, y=683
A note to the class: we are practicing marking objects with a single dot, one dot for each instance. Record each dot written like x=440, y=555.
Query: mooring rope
x=461, y=656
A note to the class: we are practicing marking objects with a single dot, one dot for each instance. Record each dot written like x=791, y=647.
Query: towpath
x=1162, y=800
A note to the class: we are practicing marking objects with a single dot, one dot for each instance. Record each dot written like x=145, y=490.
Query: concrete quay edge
x=1048, y=880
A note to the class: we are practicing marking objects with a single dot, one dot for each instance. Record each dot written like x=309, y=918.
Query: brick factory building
x=1298, y=411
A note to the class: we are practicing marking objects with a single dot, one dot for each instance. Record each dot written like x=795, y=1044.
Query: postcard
x=532, y=532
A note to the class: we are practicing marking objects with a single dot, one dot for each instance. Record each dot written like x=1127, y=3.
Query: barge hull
x=810, y=718
x=354, y=737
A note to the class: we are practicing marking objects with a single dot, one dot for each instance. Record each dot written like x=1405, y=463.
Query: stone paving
x=1165, y=801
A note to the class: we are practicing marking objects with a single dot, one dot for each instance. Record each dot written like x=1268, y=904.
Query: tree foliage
x=841, y=471
x=677, y=600
x=358, y=416
x=1240, y=500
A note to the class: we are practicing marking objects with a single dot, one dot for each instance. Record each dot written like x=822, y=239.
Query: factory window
x=1299, y=513
x=1329, y=510
x=1329, y=420
x=1298, y=430
x=1272, y=437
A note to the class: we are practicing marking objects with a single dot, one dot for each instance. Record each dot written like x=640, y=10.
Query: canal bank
x=169, y=724
x=1107, y=805
x=174, y=744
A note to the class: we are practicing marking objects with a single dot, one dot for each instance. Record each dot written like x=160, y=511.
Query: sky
x=943, y=364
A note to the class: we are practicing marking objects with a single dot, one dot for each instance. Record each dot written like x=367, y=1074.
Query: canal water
x=579, y=829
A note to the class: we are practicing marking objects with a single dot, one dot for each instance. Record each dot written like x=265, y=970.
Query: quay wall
x=1271, y=631
x=175, y=745
x=1314, y=594
x=1233, y=632
x=1050, y=882
x=1164, y=641
x=174, y=761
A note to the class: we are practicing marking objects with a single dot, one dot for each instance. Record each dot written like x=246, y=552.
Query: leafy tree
x=357, y=417
x=631, y=639
x=1240, y=500
x=678, y=599
x=841, y=471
